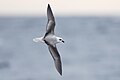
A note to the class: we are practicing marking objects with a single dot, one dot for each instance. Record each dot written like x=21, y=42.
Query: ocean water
x=91, y=50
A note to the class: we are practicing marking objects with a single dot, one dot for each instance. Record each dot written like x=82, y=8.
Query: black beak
x=63, y=41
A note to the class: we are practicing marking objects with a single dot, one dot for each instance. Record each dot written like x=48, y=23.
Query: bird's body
x=51, y=40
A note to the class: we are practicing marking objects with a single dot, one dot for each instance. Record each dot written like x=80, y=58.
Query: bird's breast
x=51, y=40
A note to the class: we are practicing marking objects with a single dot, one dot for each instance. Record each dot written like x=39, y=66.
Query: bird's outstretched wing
x=51, y=21
x=56, y=57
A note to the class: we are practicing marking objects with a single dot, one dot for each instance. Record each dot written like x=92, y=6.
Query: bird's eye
x=60, y=39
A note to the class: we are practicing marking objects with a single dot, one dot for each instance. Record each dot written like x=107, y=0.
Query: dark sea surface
x=91, y=50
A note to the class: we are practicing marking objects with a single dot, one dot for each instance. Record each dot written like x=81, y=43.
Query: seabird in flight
x=51, y=40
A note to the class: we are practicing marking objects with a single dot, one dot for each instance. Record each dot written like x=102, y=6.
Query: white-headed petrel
x=51, y=40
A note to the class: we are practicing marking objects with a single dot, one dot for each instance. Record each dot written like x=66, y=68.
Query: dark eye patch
x=60, y=39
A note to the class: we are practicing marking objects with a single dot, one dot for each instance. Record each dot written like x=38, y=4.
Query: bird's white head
x=60, y=40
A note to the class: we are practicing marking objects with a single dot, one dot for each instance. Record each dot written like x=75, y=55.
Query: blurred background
x=90, y=28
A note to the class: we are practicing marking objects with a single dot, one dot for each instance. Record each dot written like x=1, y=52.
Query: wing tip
x=60, y=73
x=60, y=70
x=50, y=13
x=48, y=6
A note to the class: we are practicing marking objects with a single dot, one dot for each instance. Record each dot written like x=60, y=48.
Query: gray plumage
x=51, y=40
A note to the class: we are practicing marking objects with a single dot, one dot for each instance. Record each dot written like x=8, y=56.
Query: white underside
x=51, y=39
